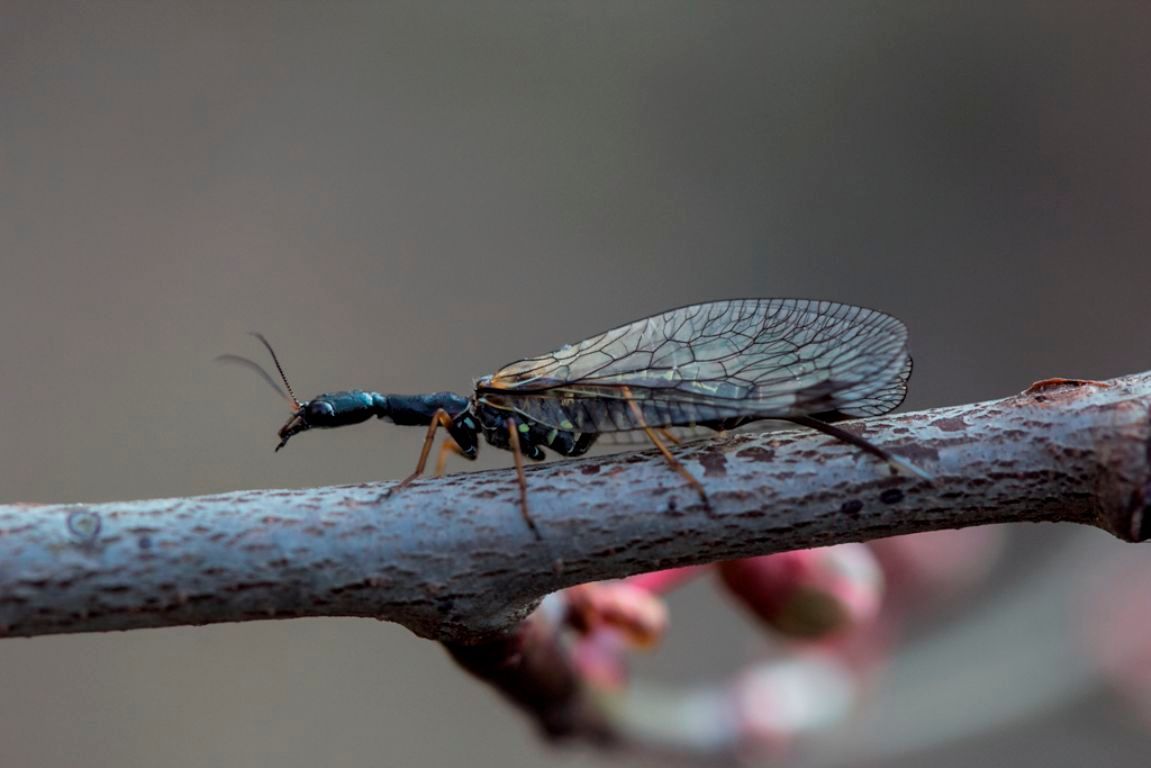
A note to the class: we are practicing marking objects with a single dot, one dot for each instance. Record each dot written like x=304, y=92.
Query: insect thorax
x=533, y=435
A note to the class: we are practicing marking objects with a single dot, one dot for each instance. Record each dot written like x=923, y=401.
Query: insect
x=717, y=365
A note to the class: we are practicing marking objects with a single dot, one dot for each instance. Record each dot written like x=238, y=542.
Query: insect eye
x=320, y=409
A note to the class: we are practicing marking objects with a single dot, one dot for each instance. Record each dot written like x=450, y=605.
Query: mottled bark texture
x=452, y=559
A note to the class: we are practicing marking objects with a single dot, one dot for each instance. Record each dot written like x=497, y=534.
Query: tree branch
x=451, y=558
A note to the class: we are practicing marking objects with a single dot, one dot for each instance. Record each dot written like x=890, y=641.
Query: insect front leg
x=439, y=419
x=463, y=432
x=446, y=447
x=461, y=438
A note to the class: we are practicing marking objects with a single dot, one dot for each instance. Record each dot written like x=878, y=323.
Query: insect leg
x=446, y=447
x=897, y=464
x=669, y=436
x=514, y=441
x=440, y=419
x=672, y=460
x=678, y=466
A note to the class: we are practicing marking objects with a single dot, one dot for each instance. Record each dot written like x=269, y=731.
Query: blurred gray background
x=406, y=195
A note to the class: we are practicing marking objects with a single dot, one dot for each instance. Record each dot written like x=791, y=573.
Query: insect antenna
x=279, y=367
x=290, y=396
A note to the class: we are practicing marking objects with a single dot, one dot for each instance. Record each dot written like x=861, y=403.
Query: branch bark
x=451, y=558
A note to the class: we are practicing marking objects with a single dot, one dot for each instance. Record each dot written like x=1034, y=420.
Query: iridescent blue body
x=469, y=419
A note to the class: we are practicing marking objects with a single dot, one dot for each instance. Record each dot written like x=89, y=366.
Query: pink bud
x=662, y=582
x=811, y=594
x=634, y=612
x=601, y=660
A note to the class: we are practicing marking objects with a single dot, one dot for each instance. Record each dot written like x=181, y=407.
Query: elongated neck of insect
x=416, y=410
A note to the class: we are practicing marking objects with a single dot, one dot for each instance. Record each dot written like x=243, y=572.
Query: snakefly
x=717, y=365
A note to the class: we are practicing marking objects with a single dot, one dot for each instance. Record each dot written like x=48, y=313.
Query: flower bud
x=634, y=612
x=810, y=594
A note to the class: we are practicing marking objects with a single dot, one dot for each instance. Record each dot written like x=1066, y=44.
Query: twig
x=451, y=559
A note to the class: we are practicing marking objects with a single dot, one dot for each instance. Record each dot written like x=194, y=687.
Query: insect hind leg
x=672, y=461
x=897, y=464
x=678, y=466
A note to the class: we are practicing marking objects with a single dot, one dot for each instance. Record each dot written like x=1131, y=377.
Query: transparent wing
x=713, y=363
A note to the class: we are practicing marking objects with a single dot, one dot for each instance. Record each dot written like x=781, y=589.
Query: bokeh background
x=406, y=195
